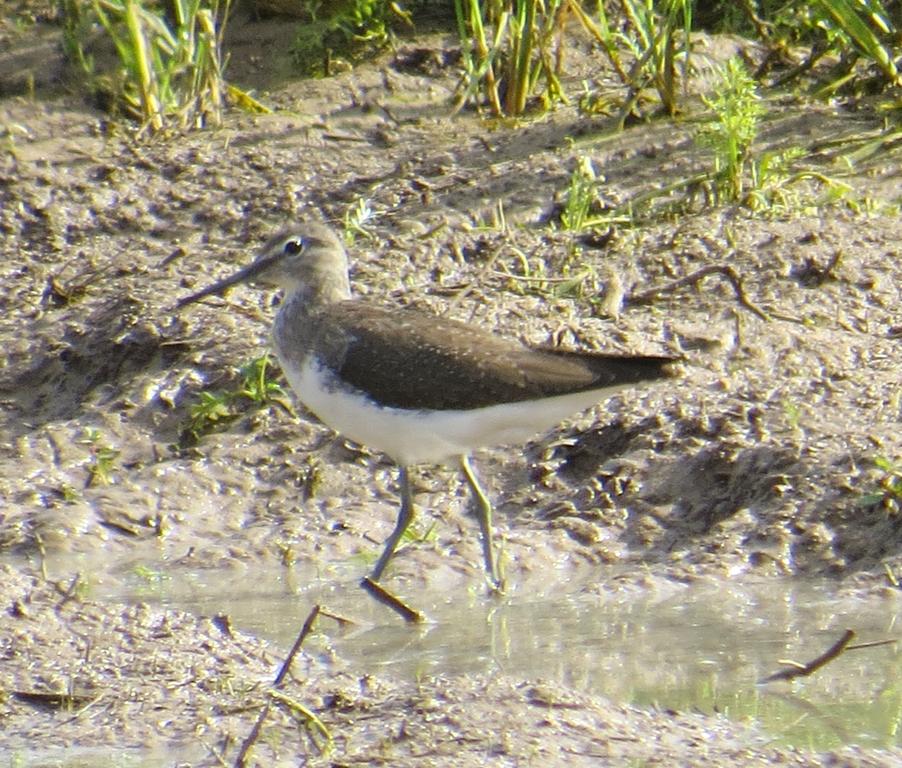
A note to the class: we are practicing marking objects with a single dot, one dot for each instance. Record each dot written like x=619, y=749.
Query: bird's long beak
x=245, y=275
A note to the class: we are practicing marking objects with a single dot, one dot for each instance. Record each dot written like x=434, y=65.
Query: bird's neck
x=303, y=299
x=301, y=302
x=292, y=329
x=310, y=296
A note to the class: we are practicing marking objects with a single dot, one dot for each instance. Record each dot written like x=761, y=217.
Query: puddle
x=699, y=648
x=89, y=757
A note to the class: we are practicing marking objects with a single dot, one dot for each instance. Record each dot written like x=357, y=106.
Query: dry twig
x=795, y=669
x=382, y=595
x=241, y=759
x=732, y=276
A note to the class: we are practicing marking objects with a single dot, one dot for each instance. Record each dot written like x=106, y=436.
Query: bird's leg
x=405, y=517
x=484, y=515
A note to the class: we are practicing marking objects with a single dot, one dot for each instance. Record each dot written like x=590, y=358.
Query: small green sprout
x=102, y=460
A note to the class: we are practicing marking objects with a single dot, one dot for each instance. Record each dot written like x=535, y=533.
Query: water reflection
x=701, y=647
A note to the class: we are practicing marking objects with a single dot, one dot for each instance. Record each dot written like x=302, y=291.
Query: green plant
x=215, y=409
x=867, y=27
x=845, y=33
x=256, y=386
x=775, y=180
x=355, y=220
x=769, y=180
x=533, y=277
x=77, y=22
x=655, y=36
x=793, y=414
x=512, y=50
x=582, y=201
x=347, y=26
x=170, y=59
x=889, y=488
x=508, y=48
x=69, y=494
x=737, y=110
x=415, y=534
x=659, y=30
x=582, y=194
x=102, y=458
x=150, y=576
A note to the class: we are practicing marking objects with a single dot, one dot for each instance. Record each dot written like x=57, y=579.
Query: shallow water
x=697, y=648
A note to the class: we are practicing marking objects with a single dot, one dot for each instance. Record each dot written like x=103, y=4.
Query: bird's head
x=307, y=259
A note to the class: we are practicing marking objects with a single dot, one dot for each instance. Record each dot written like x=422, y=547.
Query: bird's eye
x=293, y=247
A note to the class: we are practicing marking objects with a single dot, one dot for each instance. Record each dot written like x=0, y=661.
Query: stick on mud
x=794, y=669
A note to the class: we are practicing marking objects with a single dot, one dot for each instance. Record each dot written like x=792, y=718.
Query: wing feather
x=415, y=360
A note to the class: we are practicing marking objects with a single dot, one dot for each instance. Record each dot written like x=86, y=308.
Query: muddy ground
x=754, y=462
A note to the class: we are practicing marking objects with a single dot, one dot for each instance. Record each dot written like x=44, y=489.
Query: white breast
x=413, y=437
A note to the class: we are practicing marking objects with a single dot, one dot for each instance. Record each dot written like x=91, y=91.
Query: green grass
x=355, y=221
x=170, y=57
x=768, y=182
x=864, y=26
x=343, y=29
x=852, y=45
x=737, y=111
x=169, y=71
x=582, y=194
x=510, y=53
x=513, y=53
x=888, y=493
x=763, y=181
x=648, y=47
x=102, y=461
x=216, y=410
x=657, y=35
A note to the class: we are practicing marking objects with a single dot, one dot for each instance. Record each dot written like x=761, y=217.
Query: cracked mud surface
x=752, y=463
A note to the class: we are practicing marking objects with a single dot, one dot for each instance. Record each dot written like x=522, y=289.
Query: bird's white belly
x=413, y=437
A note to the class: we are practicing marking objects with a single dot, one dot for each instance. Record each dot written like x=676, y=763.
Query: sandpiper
x=415, y=386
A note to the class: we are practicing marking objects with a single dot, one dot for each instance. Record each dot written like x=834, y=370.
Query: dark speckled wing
x=414, y=360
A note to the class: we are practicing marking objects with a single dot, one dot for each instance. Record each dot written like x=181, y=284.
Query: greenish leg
x=405, y=517
x=484, y=515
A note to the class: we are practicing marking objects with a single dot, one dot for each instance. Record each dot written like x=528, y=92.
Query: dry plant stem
x=817, y=52
x=874, y=644
x=382, y=595
x=240, y=760
x=609, y=51
x=478, y=280
x=55, y=701
x=311, y=721
x=342, y=621
x=148, y=86
x=809, y=668
x=302, y=635
x=216, y=754
x=69, y=592
x=528, y=279
x=762, y=27
x=251, y=739
x=647, y=297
